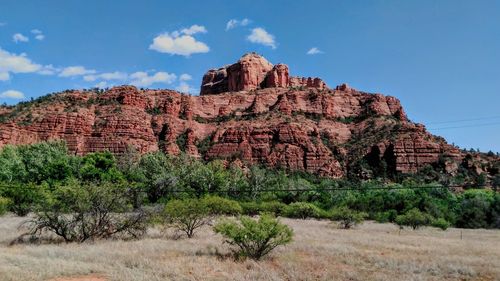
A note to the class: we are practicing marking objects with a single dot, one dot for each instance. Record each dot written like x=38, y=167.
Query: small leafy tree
x=303, y=210
x=23, y=197
x=187, y=215
x=414, y=218
x=441, y=223
x=222, y=206
x=347, y=218
x=254, y=238
x=78, y=213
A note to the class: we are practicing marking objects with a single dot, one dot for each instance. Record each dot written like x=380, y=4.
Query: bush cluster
x=31, y=174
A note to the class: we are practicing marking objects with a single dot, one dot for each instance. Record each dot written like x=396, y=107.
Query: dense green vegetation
x=33, y=176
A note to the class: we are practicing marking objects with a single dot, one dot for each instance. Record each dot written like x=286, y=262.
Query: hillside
x=252, y=112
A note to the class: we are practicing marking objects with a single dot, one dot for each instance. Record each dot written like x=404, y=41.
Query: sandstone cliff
x=252, y=111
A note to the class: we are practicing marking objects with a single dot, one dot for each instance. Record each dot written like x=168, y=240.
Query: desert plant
x=347, y=218
x=414, y=218
x=78, y=213
x=4, y=205
x=222, y=206
x=187, y=215
x=254, y=238
x=253, y=208
x=303, y=210
x=441, y=223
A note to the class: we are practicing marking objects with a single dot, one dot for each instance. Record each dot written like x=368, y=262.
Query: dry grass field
x=319, y=251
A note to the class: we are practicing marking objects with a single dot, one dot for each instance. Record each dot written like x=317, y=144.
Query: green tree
x=187, y=215
x=414, y=218
x=303, y=210
x=347, y=217
x=254, y=238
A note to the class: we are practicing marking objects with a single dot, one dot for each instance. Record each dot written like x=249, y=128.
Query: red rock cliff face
x=251, y=111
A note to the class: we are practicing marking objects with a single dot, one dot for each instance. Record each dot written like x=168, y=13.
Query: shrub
x=78, y=213
x=187, y=215
x=414, y=219
x=303, y=210
x=347, y=217
x=4, y=205
x=22, y=196
x=255, y=208
x=254, y=238
x=387, y=216
x=441, y=223
x=222, y=206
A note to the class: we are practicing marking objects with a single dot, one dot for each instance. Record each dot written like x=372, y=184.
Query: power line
x=465, y=120
x=324, y=189
x=467, y=126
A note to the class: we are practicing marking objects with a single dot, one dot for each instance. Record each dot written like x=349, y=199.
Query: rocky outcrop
x=253, y=72
x=250, y=112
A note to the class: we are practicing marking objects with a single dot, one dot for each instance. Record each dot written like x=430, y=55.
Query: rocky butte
x=252, y=112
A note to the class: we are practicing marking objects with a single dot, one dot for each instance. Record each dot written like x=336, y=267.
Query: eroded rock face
x=283, y=122
x=252, y=72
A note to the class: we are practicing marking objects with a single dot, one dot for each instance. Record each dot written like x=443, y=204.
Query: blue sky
x=440, y=58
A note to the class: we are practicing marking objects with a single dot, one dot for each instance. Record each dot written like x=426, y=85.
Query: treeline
x=38, y=174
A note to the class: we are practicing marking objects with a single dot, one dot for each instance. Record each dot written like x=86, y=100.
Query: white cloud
x=12, y=94
x=102, y=84
x=143, y=79
x=194, y=29
x=233, y=23
x=4, y=76
x=184, y=87
x=180, y=42
x=12, y=63
x=75, y=71
x=185, y=77
x=261, y=36
x=18, y=37
x=314, y=51
x=106, y=76
x=38, y=34
x=48, y=70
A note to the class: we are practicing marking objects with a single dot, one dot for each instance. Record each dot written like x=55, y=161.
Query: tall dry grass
x=320, y=251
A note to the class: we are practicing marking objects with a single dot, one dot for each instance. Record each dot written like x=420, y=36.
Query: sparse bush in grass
x=441, y=223
x=414, y=219
x=222, y=206
x=4, y=205
x=303, y=210
x=78, y=213
x=187, y=215
x=254, y=238
x=347, y=218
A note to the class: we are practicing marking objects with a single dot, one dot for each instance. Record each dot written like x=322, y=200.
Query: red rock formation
x=287, y=122
x=253, y=72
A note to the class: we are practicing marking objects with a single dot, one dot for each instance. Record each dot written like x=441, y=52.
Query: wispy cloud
x=143, y=79
x=71, y=71
x=12, y=94
x=233, y=23
x=314, y=51
x=260, y=36
x=13, y=63
x=180, y=42
x=18, y=37
x=38, y=34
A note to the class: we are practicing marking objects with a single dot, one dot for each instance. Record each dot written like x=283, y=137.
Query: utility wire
x=465, y=120
x=324, y=189
x=466, y=126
